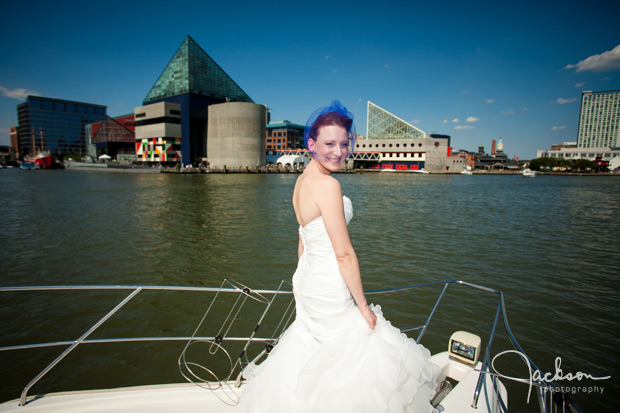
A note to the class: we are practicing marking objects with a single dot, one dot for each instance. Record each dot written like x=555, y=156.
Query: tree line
x=581, y=165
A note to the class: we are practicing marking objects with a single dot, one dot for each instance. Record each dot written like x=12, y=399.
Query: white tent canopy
x=290, y=159
x=104, y=156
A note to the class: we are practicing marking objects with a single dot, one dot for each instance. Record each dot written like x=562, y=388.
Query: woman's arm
x=300, y=248
x=329, y=200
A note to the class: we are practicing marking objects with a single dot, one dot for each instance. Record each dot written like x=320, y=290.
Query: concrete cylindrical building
x=236, y=134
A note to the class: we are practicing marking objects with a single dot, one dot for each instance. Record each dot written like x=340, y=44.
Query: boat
x=40, y=158
x=528, y=173
x=45, y=160
x=26, y=164
x=467, y=171
x=419, y=171
x=467, y=382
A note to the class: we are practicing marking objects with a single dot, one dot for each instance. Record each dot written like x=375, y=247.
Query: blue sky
x=476, y=71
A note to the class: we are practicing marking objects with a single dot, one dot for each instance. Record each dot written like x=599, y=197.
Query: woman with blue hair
x=340, y=354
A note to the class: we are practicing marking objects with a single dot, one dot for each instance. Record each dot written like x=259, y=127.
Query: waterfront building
x=598, y=132
x=469, y=158
x=497, y=160
x=283, y=134
x=7, y=155
x=403, y=146
x=55, y=125
x=236, y=135
x=575, y=152
x=194, y=81
x=112, y=136
x=599, y=119
x=14, y=139
x=158, y=132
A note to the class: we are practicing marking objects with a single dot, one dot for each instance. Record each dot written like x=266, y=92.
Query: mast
x=33, y=148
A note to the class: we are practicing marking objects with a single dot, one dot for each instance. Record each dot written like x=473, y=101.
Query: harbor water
x=551, y=244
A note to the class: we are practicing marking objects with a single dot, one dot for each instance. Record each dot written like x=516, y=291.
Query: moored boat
x=45, y=160
x=528, y=173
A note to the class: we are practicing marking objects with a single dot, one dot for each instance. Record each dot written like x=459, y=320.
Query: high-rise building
x=56, y=125
x=599, y=119
x=598, y=132
x=194, y=81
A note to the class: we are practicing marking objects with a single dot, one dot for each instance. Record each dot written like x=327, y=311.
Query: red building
x=283, y=134
x=114, y=136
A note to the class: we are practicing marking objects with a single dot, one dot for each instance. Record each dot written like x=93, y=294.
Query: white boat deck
x=183, y=397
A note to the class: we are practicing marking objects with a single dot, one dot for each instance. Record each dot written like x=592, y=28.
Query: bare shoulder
x=324, y=186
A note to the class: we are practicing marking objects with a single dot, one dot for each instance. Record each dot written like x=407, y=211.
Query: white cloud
x=445, y=121
x=455, y=120
x=19, y=94
x=327, y=57
x=490, y=100
x=562, y=101
x=415, y=121
x=386, y=66
x=604, y=62
x=508, y=112
x=335, y=71
x=525, y=109
x=459, y=127
x=472, y=119
x=559, y=127
x=580, y=84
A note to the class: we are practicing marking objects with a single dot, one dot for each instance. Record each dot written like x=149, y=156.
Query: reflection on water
x=550, y=244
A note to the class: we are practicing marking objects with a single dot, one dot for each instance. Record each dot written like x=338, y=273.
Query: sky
x=476, y=71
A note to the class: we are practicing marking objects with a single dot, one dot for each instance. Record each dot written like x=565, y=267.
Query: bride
x=340, y=354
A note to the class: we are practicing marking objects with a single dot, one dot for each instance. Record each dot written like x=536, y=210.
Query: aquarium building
x=403, y=146
x=193, y=81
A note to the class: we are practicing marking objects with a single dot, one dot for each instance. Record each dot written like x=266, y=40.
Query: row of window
x=404, y=155
x=44, y=104
x=163, y=119
x=376, y=145
x=583, y=155
x=282, y=133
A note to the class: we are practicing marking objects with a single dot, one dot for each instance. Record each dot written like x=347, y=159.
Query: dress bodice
x=348, y=214
x=314, y=235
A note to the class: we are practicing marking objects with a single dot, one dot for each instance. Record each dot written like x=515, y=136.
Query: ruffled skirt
x=358, y=370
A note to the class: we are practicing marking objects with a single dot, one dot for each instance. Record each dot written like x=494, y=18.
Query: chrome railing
x=549, y=400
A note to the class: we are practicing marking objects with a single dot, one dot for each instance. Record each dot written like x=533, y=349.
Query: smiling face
x=331, y=147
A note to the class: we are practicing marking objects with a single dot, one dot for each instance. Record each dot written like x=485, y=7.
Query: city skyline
x=477, y=72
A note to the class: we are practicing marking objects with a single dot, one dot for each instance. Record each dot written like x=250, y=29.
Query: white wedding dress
x=328, y=360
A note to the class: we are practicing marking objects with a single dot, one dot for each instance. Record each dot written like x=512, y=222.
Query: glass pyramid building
x=382, y=124
x=191, y=70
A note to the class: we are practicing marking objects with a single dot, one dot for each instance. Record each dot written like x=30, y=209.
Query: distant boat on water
x=528, y=173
